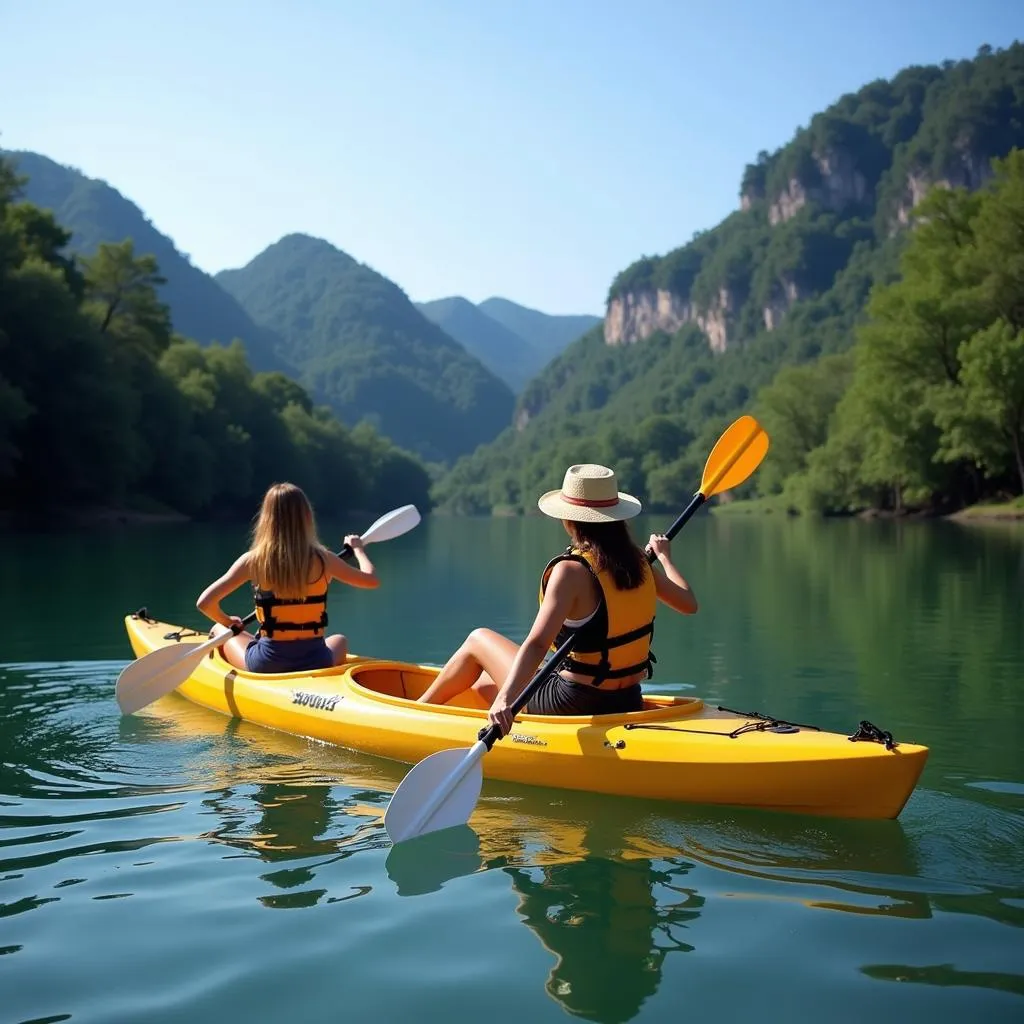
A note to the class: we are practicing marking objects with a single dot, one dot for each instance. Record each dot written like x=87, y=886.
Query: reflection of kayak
x=677, y=748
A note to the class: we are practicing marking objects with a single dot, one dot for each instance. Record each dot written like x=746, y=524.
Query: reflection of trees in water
x=920, y=621
x=946, y=975
x=609, y=933
x=599, y=879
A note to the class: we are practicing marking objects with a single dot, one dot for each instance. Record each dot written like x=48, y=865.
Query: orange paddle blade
x=738, y=453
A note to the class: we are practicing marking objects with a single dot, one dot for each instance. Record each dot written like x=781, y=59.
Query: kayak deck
x=677, y=748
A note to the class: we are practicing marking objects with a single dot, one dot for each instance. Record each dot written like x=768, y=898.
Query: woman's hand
x=500, y=714
x=234, y=623
x=354, y=541
x=660, y=545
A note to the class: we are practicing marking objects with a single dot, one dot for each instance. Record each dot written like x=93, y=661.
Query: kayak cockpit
x=408, y=682
x=395, y=679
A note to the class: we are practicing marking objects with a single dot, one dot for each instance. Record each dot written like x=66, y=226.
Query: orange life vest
x=293, y=618
x=616, y=641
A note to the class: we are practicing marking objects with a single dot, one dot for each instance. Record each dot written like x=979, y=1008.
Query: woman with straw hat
x=603, y=589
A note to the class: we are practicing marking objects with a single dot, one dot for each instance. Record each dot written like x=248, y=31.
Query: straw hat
x=589, y=494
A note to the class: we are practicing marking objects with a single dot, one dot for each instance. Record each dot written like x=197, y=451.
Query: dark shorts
x=266, y=655
x=558, y=696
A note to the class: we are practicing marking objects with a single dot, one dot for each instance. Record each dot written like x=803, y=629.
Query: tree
x=122, y=292
x=983, y=420
x=795, y=410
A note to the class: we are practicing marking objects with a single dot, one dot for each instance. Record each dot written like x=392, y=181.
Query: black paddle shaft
x=237, y=627
x=490, y=734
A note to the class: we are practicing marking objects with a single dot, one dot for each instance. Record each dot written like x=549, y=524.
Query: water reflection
x=608, y=933
x=946, y=975
x=608, y=887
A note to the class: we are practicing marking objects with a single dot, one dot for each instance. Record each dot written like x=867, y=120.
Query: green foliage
x=934, y=414
x=985, y=423
x=101, y=403
x=358, y=341
x=797, y=291
x=795, y=410
x=546, y=333
x=503, y=352
x=355, y=342
x=94, y=213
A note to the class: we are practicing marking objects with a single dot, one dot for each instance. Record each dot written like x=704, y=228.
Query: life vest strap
x=269, y=624
x=615, y=641
x=267, y=599
x=603, y=671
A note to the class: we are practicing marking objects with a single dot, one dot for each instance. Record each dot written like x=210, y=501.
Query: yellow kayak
x=677, y=748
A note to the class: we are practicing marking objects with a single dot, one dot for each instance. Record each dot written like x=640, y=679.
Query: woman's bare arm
x=671, y=587
x=210, y=599
x=365, y=576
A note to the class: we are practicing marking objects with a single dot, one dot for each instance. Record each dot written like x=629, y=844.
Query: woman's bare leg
x=482, y=662
x=337, y=644
x=234, y=649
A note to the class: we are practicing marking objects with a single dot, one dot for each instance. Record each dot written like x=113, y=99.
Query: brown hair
x=284, y=542
x=614, y=551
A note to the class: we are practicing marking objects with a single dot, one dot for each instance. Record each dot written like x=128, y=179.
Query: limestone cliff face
x=637, y=315
x=783, y=298
x=634, y=316
x=716, y=320
x=839, y=184
x=970, y=172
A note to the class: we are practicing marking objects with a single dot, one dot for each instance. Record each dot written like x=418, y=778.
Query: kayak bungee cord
x=767, y=723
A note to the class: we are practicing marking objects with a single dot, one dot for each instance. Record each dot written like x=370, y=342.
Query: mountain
x=548, y=334
x=94, y=212
x=513, y=341
x=502, y=351
x=690, y=338
x=356, y=338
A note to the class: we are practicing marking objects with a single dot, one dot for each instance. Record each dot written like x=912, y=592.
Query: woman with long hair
x=601, y=588
x=290, y=571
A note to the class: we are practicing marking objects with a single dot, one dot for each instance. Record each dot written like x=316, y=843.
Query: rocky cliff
x=851, y=177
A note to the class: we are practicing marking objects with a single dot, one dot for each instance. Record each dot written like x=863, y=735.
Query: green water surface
x=180, y=866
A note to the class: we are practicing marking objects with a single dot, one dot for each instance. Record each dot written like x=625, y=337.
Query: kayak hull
x=677, y=748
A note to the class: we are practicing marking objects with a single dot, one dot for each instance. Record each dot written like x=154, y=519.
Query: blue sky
x=524, y=148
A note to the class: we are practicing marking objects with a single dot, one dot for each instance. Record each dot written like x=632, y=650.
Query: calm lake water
x=179, y=866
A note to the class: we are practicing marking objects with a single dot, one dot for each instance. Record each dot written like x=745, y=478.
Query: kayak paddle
x=158, y=673
x=442, y=789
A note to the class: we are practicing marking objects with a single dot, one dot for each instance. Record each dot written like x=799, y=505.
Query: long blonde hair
x=284, y=542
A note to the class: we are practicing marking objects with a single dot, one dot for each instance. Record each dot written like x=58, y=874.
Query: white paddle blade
x=394, y=524
x=439, y=792
x=157, y=674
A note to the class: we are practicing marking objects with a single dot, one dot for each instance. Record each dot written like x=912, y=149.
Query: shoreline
x=1012, y=511
x=88, y=519
x=105, y=517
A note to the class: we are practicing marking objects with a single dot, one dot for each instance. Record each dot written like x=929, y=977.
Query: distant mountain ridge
x=502, y=351
x=549, y=333
x=355, y=337
x=96, y=212
x=513, y=341
x=354, y=340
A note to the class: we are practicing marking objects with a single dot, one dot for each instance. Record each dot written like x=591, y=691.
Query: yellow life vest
x=293, y=618
x=615, y=642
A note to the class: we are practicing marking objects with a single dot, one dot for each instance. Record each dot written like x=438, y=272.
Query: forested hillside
x=365, y=350
x=515, y=342
x=357, y=339
x=503, y=352
x=548, y=333
x=103, y=404
x=95, y=213
x=691, y=338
